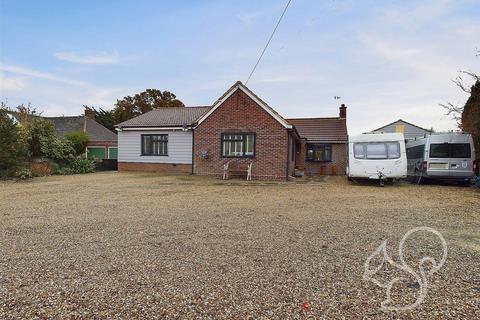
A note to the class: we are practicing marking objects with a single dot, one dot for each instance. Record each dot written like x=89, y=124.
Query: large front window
x=376, y=150
x=154, y=144
x=238, y=145
x=319, y=152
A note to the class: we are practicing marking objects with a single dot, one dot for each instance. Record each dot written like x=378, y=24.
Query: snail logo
x=420, y=277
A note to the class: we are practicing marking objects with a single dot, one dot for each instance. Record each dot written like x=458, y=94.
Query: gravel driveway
x=133, y=245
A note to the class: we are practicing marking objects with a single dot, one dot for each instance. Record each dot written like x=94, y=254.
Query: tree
x=105, y=117
x=470, y=117
x=130, y=107
x=78, y=140
x=13, y=150
x=43, y=141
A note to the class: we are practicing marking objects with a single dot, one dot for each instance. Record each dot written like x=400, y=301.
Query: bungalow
x=239, y=128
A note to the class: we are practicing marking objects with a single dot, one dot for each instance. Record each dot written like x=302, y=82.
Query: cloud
x=11, y=83
x=57, y=95
x=38, y=74
x=99, y=58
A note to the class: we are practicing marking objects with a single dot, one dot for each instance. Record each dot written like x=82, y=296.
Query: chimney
x=89, y=113
x=343, y=111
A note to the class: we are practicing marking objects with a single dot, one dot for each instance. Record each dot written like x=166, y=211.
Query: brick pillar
x=301, y=153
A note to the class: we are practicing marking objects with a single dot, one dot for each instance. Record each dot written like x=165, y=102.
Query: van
x=379, y=156
x=445, y=156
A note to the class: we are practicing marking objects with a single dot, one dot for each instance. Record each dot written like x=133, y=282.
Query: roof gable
x=403, y=122
x=240, y=86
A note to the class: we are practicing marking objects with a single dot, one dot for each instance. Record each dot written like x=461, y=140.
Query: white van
x=444, y=156
x=380, y=156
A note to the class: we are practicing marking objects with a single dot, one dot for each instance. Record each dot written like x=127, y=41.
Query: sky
x=385, y=59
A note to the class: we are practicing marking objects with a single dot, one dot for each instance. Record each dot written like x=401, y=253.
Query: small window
x=238, y=145
x=438, y=150
x=319, y=152
x=154, y=144
x=393, y=150
x=460, y=150
x=358, y=151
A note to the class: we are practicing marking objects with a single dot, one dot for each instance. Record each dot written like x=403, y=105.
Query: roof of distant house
x=402, y=121
x=321, y=129
x=63, y=125
x=167, y=117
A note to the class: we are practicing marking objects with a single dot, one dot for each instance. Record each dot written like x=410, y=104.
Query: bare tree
x=455, y=111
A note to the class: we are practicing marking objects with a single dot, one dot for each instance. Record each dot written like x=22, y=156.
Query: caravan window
x=393, y=150
x=376, y=151
x=358, y=151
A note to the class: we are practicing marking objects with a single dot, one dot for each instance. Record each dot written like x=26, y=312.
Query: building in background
x=102, y=143
x=409, y=130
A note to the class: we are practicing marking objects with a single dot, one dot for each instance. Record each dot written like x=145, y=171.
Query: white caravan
x=380, y=156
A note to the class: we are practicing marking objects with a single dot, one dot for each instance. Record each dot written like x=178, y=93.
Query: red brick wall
x=339, y=159
x=240, y=114
x=155, y=167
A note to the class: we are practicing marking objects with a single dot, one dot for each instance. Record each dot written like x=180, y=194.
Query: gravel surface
x=133, y=245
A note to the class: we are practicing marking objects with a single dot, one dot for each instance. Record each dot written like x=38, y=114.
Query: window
x=416, y=152
x=450, y=150
x=319, y=152
x=154, y=144
x=440, y=150
x=393, y=150
x=460, y=150
x=238, y=145
x=359, y=151
x=376, y=150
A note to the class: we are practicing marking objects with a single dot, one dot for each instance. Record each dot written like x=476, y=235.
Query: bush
x=13, y=147
x=78, y=166
x=44, y=143
x=23, y=174
x=78, y=141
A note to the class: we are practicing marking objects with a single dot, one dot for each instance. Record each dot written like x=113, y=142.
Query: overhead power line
x=268, y=42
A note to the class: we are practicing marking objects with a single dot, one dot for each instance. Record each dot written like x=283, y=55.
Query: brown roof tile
x=321, y=129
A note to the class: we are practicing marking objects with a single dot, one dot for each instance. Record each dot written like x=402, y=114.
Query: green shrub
x=78, y=141
x=44, y=143
x=13, y=147
x=23, y=174
x=65, y=171
x=78, y=166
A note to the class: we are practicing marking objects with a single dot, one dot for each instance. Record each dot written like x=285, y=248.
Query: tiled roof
x=63, y=125
x=321, y=129
x=97, y=132
x=166, y=117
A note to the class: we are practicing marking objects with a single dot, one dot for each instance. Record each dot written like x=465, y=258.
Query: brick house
x=238, y=129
